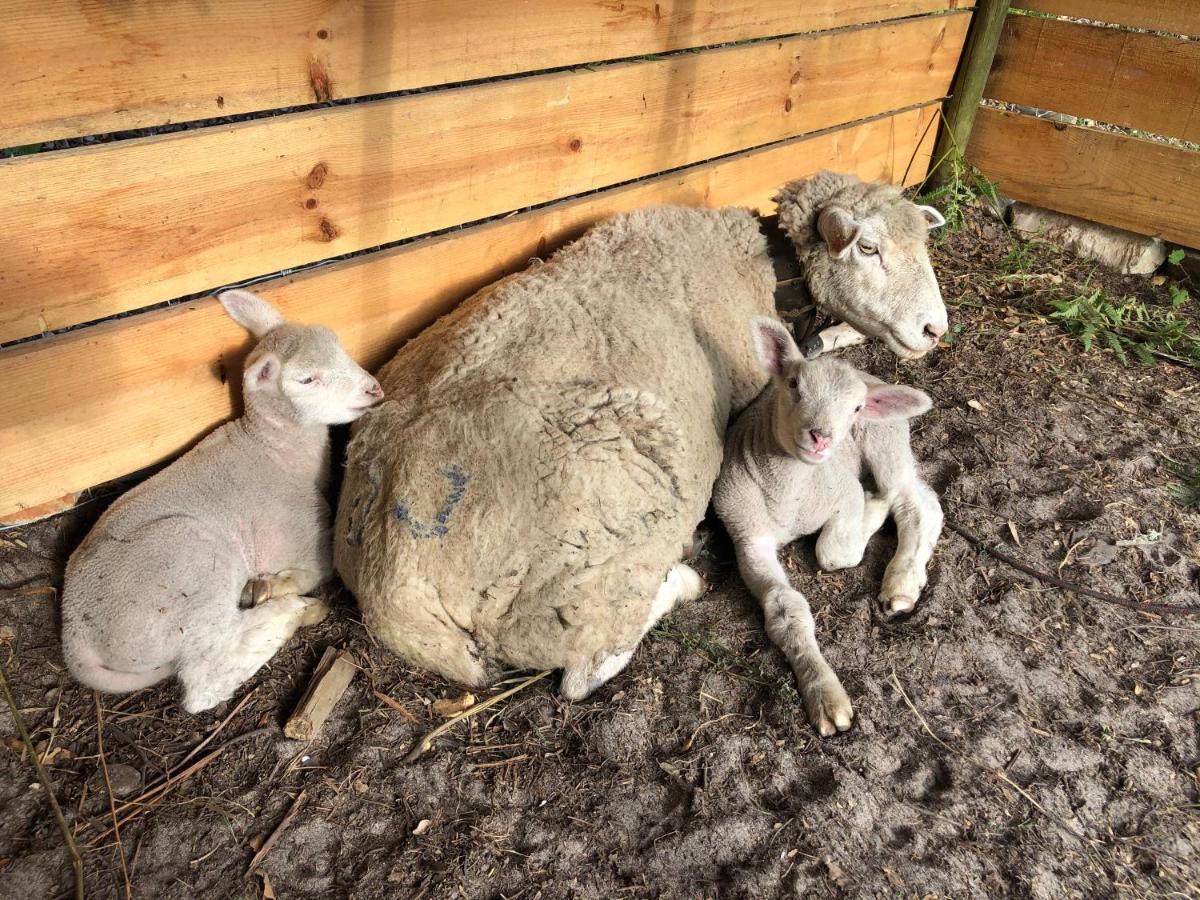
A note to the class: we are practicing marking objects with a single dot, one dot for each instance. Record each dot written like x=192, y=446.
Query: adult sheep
x=524, y=496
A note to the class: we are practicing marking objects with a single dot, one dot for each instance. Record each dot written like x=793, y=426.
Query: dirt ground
x=1011, y=740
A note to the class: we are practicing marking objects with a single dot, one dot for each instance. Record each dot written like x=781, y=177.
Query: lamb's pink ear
x=251, y=311
x=262, y=373
x=839, y=229
x=773, y=345
x=894, y=401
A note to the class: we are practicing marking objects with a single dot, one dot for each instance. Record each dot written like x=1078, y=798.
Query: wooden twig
x=995, y=773
x=47, y=786
x=332, y=676
x=426, y=742
x=395, y=704
x=112, y=804
x=212, y=734
x=1055, y=581
x=275, y=835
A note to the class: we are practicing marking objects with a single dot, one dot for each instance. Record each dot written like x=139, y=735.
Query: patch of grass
x=1130, y=328
x=1185, y=490
x=726, y=660
x=1020, y=257
x=964, y=186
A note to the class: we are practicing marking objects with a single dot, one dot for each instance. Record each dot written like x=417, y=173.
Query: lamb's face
x=815, y=405
x=307, y=374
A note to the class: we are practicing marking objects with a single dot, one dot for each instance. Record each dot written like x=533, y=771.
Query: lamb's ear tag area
x=773, y=345
x=839, y=230
x=894, y=401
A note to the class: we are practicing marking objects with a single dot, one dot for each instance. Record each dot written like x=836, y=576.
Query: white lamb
x=155, y=588
x=793, y=462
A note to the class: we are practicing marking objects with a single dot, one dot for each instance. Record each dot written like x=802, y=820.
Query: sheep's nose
x=820, y=439
x=375, y=392
x=934, y=332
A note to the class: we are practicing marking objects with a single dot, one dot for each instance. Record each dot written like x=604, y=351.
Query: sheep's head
x=300, y=372
x=815, y=404
x=862, y=246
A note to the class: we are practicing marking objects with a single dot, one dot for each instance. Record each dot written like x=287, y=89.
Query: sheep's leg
x=219, y=667
x=790, y=625
x=681, y=583
x=918, y=517
x=833, y=338
x=261, y=588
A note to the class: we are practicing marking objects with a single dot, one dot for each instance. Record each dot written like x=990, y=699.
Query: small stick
x=275, y=835
x=1047, y=578
x=332, y=676
x=76, y=861
x=426, y=742
x=204, y=743
x=112, y=803
x=395, y=704
x=995, y=774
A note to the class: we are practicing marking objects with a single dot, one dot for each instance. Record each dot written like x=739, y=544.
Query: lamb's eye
x=793, y=382
x=308, y=380
x=858, y=408
x=866, y=248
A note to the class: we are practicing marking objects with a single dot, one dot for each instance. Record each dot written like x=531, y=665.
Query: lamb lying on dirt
x=154, y=589
x=523, y=498
x=792, y=465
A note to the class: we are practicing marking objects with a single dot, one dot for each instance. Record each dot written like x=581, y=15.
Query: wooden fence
x=418, y=118
x=1142, y=81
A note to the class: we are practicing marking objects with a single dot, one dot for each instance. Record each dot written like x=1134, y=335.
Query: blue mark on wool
x=440, y=526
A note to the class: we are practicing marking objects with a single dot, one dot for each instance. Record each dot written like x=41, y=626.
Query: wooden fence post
x=969, y=83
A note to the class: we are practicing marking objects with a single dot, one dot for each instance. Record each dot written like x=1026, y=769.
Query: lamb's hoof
x=828, y=707
x=315, y=612
x=898, y=606
x=255, y=592
x=811, y=346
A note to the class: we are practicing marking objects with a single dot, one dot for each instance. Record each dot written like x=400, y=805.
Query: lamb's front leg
x=918, y=516
x=790, y=625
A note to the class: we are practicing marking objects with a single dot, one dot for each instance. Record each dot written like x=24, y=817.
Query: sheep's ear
x=839, y=230
x=251, y=311
x=262, y=373
x=932, y=216
x=773, y=345
x=894, y=401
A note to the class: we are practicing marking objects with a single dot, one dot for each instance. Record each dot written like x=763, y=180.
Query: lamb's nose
x=375, y=392
x=820, y=439
x=934, y=332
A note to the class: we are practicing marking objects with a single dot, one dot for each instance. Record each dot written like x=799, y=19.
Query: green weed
x=964, y=186
x=1130, y=328
x=725, y=660
x=1186, y=489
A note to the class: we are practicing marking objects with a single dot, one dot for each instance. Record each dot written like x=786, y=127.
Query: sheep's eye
x=793, y=382
x=866, y=248
x=308, y=380
x=858, y=408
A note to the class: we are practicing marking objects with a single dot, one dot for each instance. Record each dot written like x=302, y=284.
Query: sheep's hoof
x=899, y=606
x=828, y=708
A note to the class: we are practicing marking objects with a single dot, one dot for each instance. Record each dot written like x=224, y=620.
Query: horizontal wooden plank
x=1175, y=16
x=90, y=405
x=87, y=67
x=102, y=230
x=1142, y=186
x=1136, y=80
